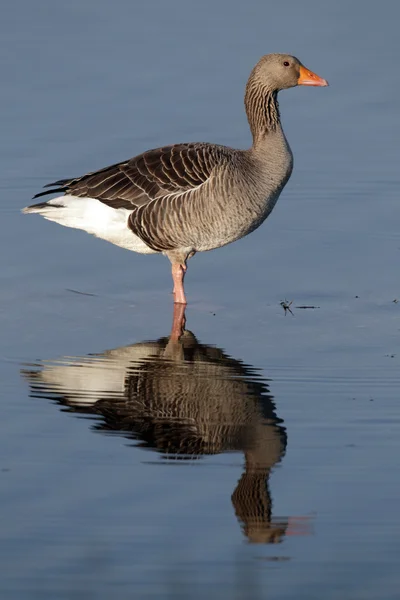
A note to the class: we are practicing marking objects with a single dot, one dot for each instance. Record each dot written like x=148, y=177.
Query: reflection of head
x=183, y=399
x=251, y=498
x=253, y=506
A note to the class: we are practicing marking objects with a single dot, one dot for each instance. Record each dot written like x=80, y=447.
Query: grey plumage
x=194, y=197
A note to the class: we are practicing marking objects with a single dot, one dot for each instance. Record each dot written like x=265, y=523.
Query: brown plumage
x=193, y=197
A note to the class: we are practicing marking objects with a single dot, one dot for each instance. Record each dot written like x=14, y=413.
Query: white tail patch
x=93, y=216
x=85, y=380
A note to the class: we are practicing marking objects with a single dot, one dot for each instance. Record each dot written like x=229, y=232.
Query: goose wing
x=153, y=174
x=156, y=186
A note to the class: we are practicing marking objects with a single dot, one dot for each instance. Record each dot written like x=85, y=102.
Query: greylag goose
x=185, y=400
x=192, y=197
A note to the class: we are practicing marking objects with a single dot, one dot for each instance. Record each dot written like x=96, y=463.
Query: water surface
x=257, y=457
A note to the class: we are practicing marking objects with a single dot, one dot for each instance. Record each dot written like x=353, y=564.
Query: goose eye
x=286, y=64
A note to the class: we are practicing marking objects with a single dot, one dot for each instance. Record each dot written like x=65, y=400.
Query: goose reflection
x=184, y=399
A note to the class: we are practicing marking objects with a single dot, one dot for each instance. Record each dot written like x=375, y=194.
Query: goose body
x=193, y=197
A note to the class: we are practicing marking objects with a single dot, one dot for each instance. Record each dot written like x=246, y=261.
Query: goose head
x=281, y=71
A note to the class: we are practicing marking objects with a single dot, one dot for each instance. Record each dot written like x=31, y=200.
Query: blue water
x=120, y=470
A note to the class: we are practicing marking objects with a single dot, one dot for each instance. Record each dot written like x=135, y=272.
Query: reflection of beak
x=299, y=526
x=309, y=78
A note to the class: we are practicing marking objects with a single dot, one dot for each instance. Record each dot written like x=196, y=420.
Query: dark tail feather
x=57, y=191
x=36, y=207
x=61, y=182
x=61, y=185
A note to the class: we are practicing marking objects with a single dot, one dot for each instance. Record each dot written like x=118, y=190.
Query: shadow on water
x=186, y=400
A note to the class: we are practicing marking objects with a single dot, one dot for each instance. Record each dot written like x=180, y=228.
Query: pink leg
x=178, y=274
x=178, y=323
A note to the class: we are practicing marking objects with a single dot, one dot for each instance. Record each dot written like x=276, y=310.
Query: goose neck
x=262, y=110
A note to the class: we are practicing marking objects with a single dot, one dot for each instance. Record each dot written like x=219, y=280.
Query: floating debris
x=286, y=306
x=80, y=293
x=306, y=306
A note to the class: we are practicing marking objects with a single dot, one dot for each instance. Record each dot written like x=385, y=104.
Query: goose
x=191, y=197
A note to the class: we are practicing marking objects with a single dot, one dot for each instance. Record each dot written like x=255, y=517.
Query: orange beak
x=309, y=78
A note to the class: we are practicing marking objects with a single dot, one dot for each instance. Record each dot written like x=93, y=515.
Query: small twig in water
x=305, y=306
x=78, y=292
